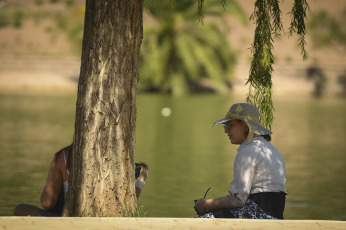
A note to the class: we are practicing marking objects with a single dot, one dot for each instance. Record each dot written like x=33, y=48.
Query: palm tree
x=178, y=53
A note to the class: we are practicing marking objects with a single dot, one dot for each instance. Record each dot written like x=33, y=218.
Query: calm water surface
x=185, y=154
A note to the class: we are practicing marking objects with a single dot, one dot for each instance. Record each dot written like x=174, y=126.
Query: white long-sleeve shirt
x=258, y=167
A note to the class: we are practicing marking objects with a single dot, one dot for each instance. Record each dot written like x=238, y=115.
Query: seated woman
x=258, y=189
x=55, y=190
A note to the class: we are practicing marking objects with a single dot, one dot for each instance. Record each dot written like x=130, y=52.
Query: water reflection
x=185, y=154
x=296, y=205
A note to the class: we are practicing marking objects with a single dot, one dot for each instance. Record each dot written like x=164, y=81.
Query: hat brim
x=257, y=128
x=221, y=121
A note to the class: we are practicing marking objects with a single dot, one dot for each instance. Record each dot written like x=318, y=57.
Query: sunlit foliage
x=67, y=17
x=177, y=51
x=328, y=29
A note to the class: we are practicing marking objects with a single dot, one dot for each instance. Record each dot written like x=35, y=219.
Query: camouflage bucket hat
x=247, y=113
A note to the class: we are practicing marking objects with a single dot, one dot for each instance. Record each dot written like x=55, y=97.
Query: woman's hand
x=201, y=206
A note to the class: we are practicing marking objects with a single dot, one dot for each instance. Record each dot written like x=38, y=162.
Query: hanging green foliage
x=267, y=17
x=299, y=14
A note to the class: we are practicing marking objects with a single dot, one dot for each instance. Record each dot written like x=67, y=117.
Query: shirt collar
x=256, y=137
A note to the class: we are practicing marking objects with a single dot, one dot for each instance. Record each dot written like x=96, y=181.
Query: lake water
x=185, y=154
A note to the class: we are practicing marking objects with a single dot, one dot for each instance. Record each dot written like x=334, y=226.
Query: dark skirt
x=47, y=214
x=269, y=205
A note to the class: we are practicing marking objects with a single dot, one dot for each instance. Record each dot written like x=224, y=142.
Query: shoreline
x=42, y=74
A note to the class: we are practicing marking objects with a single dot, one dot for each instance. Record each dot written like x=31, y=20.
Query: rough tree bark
x=101, y=182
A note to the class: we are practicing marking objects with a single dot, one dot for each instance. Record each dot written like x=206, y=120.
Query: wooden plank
x=105, y=223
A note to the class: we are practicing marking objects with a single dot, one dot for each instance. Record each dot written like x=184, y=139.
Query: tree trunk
x=102, y=177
